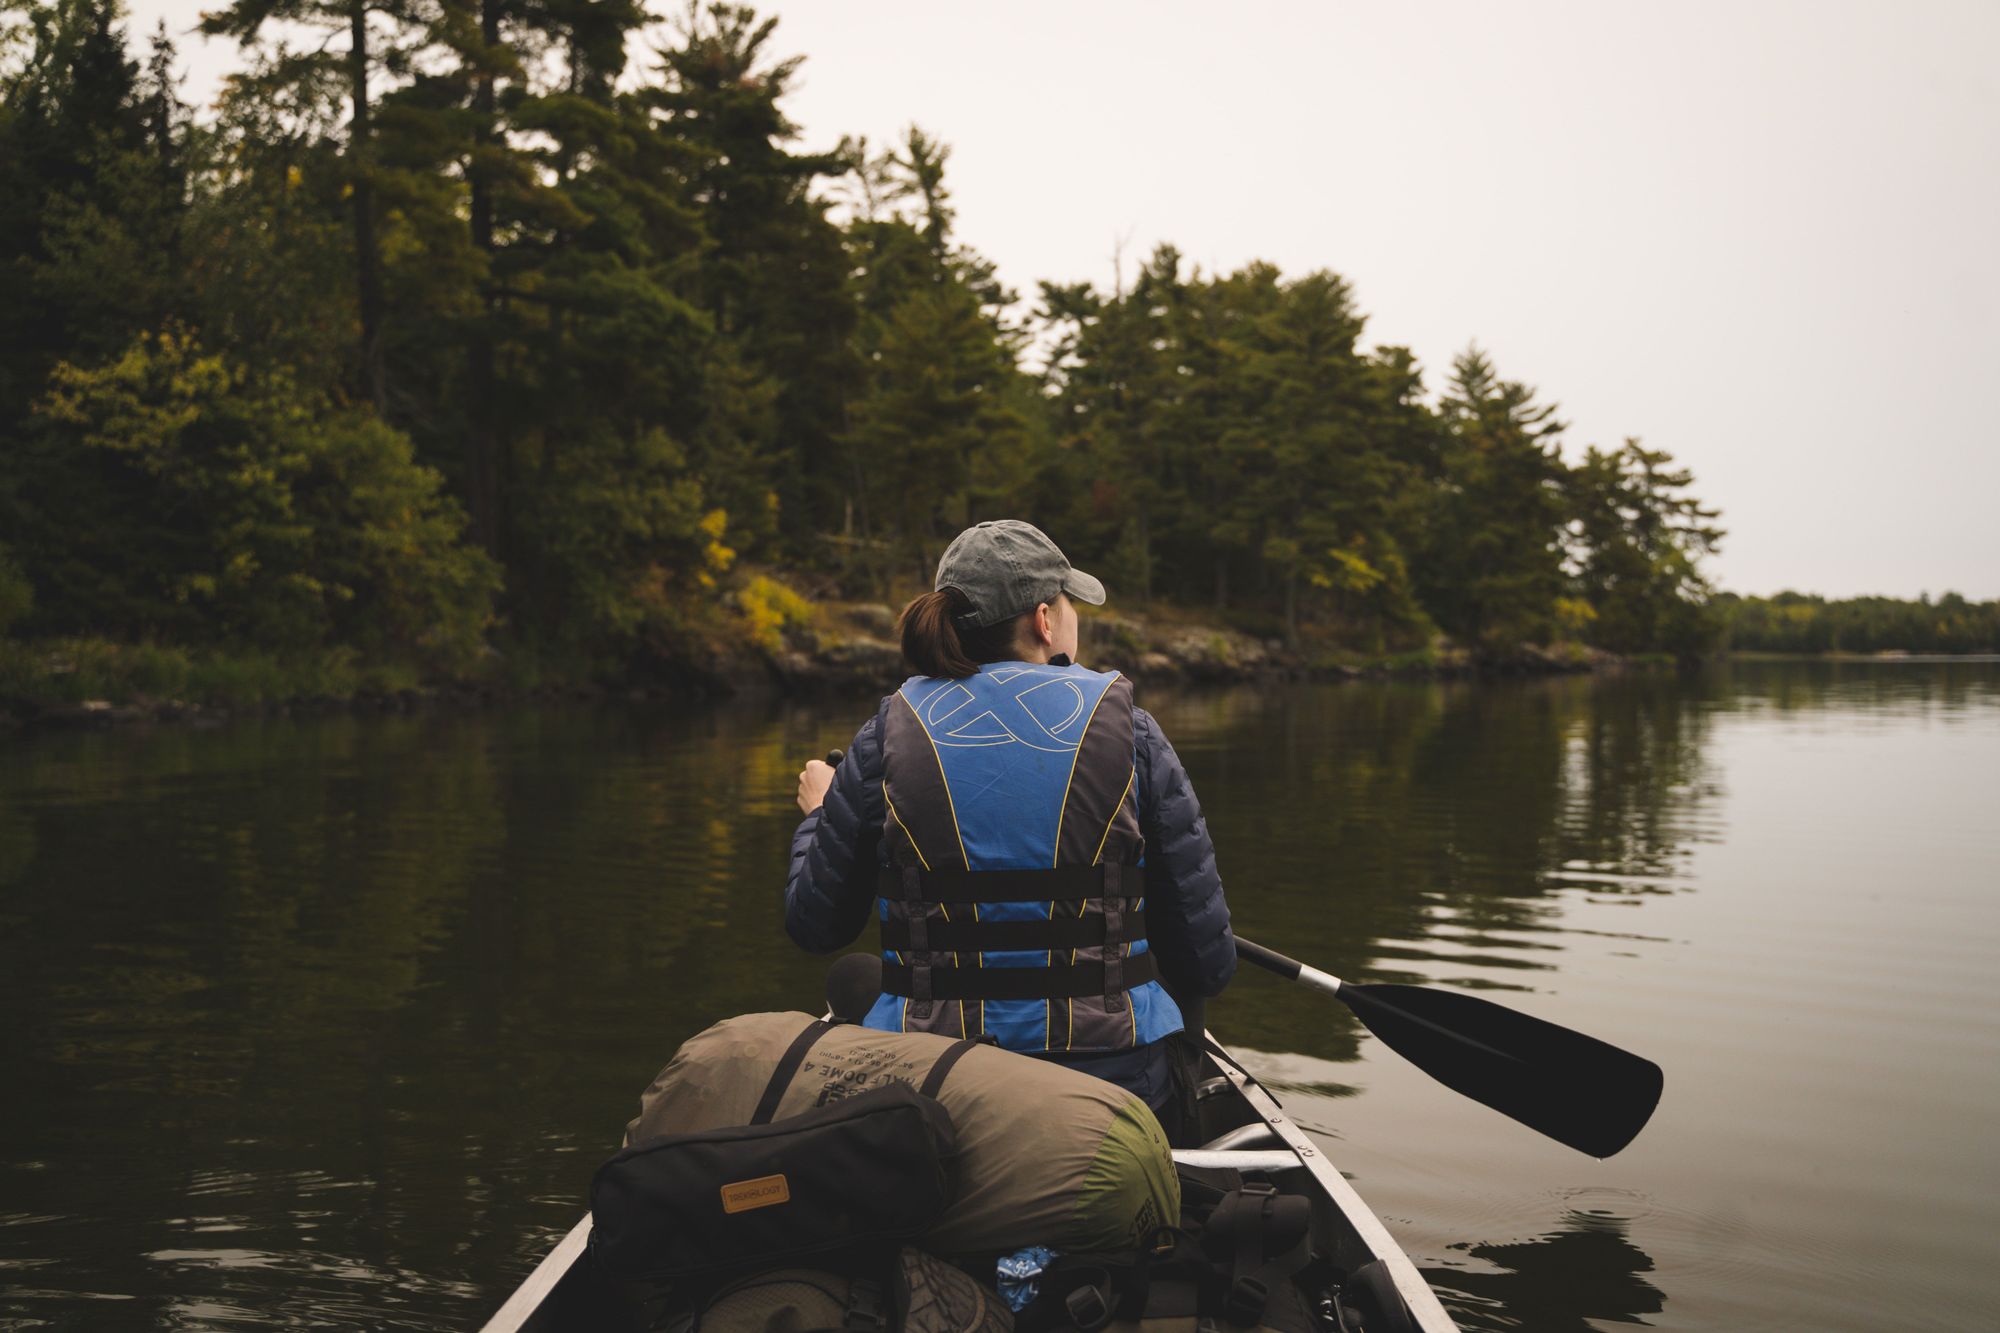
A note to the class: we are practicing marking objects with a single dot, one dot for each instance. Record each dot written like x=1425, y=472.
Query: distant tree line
x=1796, y=623
x=446, y=328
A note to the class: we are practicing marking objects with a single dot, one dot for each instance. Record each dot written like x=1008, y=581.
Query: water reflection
x=1880, y=690
x=388, y=983
x=331, y=1019
x=1586, y=1270
x=1432, y=833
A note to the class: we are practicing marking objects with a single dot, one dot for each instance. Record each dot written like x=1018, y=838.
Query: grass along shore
x=850, y=648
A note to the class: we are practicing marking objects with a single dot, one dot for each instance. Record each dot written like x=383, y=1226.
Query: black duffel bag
x=857, y=1175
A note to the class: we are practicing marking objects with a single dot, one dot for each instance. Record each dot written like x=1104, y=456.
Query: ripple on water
x=393, y=985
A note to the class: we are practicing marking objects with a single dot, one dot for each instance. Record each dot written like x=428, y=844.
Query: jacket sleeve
x=831, y=887
x=1187, y=920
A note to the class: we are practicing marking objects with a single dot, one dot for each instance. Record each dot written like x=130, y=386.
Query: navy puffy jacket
x=830, y=893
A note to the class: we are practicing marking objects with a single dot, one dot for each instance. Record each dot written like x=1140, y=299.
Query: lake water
x=325, y=1023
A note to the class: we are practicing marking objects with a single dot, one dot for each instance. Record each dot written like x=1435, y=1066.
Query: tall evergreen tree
x=91, y=196
x=1636, y=539
x=92, y=207
x=1492, y=567
x=772, y=278
x=361, y=51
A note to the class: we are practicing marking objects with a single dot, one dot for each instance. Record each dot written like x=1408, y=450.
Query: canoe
x=1248, y=1131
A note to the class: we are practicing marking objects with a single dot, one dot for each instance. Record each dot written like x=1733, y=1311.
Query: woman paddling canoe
x=1035, y=847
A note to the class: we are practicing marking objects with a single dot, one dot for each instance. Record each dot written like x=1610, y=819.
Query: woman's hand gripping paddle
x=815, y=778
x=854, y=980
x=1578, y=1090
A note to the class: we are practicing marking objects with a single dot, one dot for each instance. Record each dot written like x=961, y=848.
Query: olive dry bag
x=852, y=1176
x=1047, y=1155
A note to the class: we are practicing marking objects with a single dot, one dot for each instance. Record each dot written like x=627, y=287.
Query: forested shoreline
x=516, y=344
x=1797, y=623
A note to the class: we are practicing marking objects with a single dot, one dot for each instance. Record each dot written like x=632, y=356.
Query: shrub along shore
x=772, y=641
x=807, y=649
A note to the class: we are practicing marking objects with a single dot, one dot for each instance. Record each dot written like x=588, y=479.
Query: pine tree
x=1492, y=568
x=365, y=53
x=941, y=425
x=92, y=208
x=90, y=198
x=937, y=400
x=1636, y=540
x=772, y=278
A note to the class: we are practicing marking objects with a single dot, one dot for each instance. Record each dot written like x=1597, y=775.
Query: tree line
x=1798, y=623
x=464, y=324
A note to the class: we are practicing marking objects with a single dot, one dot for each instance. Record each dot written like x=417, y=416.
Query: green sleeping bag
x=1048, y=1156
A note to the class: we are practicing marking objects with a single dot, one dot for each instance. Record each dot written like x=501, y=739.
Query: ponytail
x=934, y=646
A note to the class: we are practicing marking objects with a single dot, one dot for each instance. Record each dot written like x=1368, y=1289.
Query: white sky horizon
x=1762, y=238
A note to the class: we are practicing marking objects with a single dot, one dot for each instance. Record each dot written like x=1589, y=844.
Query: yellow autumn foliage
x=769, y=608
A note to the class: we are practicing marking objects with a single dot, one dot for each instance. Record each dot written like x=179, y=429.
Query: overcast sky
x=1764, y=237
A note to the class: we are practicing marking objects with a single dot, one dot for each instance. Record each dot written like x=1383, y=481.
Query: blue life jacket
x=1014, y=904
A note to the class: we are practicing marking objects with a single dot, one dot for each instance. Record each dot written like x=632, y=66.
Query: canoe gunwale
x=528, y=1298
x=1348, y=1212
x=1343, y=1222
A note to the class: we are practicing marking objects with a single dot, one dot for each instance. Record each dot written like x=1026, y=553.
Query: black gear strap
x=1071, y=884
x=935, y=1079
x=788, y=1065
x=1062, y=932
x=1062, y=981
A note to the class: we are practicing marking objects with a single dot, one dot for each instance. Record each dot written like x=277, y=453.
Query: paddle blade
x=1578, y=1090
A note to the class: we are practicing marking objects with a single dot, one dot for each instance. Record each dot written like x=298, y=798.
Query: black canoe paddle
x=1578, y=1090
x=1582, y=1092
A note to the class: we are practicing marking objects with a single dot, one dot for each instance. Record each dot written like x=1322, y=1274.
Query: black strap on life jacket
x=1063, y=980
x=1061, y=932
x=1063, y=884
x=1112, y=928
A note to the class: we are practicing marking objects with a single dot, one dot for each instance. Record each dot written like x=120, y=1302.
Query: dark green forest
x=1795, y=623
x=464, y=337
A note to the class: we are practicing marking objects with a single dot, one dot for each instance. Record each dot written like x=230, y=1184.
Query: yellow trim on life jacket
x=1081, y=737
x=954, y=962
x=1081, y=908
x=944, y=779
x=1049, y=1007
x=1129, y=780
x=941, y=907
x=920, y=861
x=905, y=827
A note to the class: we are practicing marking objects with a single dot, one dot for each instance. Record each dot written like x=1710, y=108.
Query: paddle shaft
x=1576, y=1089
x=1289, y=968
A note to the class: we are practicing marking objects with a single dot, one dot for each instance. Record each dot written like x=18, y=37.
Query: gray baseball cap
x=1005, y=567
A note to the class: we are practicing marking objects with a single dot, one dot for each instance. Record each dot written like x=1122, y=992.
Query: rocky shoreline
x=851, y=648
x=854, y=646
